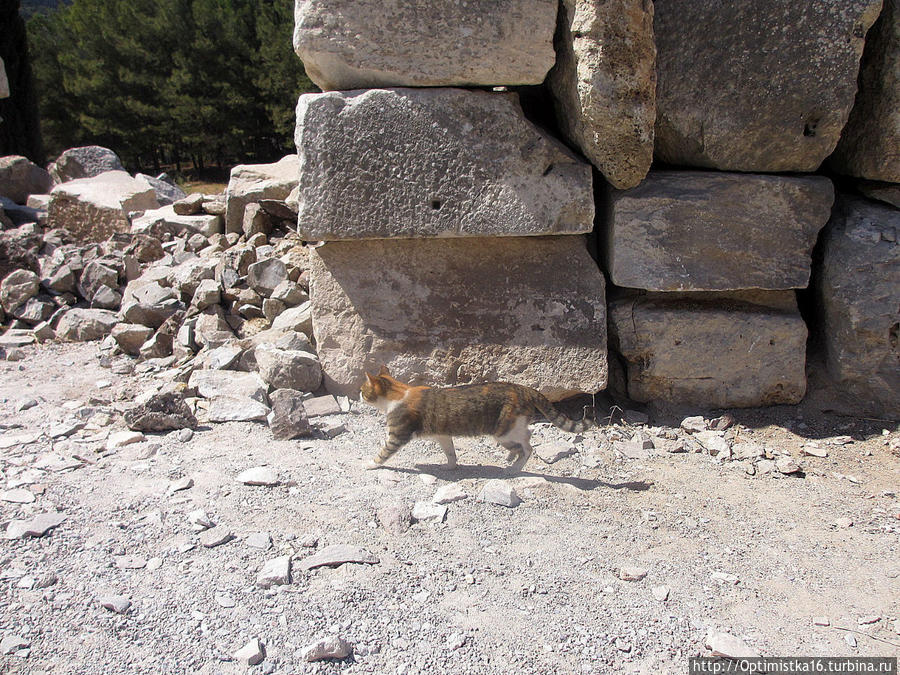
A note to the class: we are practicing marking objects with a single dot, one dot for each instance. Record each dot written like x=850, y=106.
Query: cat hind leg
x=447, y=446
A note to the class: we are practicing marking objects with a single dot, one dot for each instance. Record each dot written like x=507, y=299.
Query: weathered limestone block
x=716, y=350
x=433, y=163
x=82, y=325
x=870, y=143
x=253, y=182
x=92, y=209
x=361, y=44
x=706, y=231
x=604, y=84
x=857, y=286
x=523, y=309
x=756, y=86
x=164, y=223
x=20, y=177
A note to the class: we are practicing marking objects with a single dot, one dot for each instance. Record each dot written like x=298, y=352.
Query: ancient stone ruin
x=575, y=196
x=453, y=199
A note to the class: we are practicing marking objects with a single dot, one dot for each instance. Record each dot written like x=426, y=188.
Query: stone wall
x=700, y=142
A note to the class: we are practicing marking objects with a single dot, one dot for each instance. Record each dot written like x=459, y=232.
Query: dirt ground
x=530, y=589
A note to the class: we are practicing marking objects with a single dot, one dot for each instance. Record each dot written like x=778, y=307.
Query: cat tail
x=557, y=419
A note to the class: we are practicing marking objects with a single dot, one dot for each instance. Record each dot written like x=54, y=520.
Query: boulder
x=92, y=209
x=530, y=310
x=256, y=220
x=207, y=293
x=288, y=369
x=187, y=276
x=149, y=304
x=253, y=182
x=288, y=417
x=764, y=86
x=356, y=44
x=17, y=288
x=714, y=350
x=266, y=275
x=217, y=383
x=857, y=288
x=706, y=231
x=166, y=192
x=870, y=142
x=20, y=178
x=233, y=409
x=161, y=412
x=604, y=84
x=130, y=337
x=164, y=224
x=94, y=275
x=297, y=319
x=211, y=328
x=81, y=325
x=400, y=163
x=189, y=205
x=35, y=310
x=84, y=162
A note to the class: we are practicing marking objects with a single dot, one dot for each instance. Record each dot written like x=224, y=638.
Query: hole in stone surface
x=894, y=336
x=809, y=129
x=548, y=170
x=436, y=204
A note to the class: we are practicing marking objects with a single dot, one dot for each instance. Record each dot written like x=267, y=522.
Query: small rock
x=694, y=424
x=764, y=466
x=184, y=435
x=130, y=562
x=787, y=465
x=661, y=593
x=224, y=600
x=334, y=647
x=869, y=619
x=623, y=645
x=850, y=640
x=122, y=438
x=843, y=522
x=722, y=423
x=821, y=621
x=714, y=443
x=250, y=654
x=260, y=540
x=728, y=646
x=336, y=555
x=10, y=644
x=288, y=418
x=395, y=517
x=161, y=412
x=724, y=578
x=332, y=430
x=633, y=573
x=115, y=603
x=631, y=450
x=17, y=496
x=551, y=453
x=36, y=527
x=215, y=537
x=321, y=405
x=427, y=478
x=199, y=520
x=26, y=404
x=429, y=512
x=259, y=475
x=276, y=572
x=447, y=494
x=814, y=451
x=499, y=492
x=185, y=483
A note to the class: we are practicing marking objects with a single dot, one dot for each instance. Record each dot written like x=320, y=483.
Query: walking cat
x=500, y=409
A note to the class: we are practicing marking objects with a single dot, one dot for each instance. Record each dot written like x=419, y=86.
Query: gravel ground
x=531, y=589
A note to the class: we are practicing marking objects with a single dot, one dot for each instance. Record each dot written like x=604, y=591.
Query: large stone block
x=523, y=309
x=857, y=285
x=715, y=350
x=756, y=86
x=92, y=209
x=705, y=231
x=433, y=163
x=254, y=182
x=20, y=177
x=870, y=143
x=165, y=224
x=361, y=44
x=87, y=161
x=604, y=84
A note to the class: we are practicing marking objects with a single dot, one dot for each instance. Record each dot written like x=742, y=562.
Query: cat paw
x=450, y=466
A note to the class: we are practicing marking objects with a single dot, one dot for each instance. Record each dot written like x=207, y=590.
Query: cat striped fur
x=499, y=409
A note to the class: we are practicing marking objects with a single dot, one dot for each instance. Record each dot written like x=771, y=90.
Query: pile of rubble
x=211, y=287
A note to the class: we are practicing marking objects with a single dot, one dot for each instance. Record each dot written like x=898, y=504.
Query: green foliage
x=162, y=81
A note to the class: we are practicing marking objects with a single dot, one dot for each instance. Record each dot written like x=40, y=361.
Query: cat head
x=380, y=387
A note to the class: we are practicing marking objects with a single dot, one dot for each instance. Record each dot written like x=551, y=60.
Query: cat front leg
x=394, y=442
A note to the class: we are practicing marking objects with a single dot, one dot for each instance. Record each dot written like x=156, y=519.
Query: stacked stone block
x=452, y=224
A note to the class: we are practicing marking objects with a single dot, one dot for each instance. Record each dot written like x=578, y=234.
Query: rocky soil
x=630, y=552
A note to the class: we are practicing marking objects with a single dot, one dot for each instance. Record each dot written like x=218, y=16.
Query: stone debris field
x=627, y=549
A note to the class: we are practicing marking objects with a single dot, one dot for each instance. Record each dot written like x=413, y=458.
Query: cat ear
x=383, y=371
x=370, y=378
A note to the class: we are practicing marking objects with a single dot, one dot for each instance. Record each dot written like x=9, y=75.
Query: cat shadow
x=489, y=472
